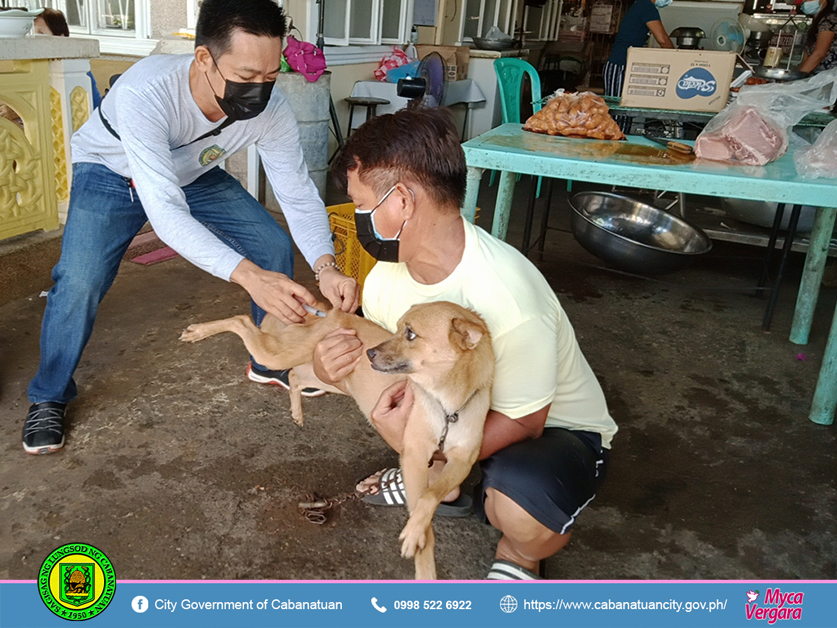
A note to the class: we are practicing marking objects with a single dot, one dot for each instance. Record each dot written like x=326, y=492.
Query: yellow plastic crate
x=352, y=258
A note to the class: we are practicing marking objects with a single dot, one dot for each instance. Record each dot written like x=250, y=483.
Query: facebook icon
x=139, y=604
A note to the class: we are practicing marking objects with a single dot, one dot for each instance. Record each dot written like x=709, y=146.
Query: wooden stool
x=369, y=102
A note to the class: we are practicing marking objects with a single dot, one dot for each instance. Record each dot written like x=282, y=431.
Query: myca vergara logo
x=696, y=82
x=777, y=605
x=76, y=581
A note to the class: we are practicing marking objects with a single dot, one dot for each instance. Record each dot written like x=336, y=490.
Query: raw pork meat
x=745, y=137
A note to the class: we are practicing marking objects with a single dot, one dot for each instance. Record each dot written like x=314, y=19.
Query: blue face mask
x=811, y=7
x=661, y=4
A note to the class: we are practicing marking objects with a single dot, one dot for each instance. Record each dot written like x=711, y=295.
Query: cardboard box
x=456, y=59
x=686, y=80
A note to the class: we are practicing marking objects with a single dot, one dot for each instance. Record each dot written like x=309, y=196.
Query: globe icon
x=508, y=604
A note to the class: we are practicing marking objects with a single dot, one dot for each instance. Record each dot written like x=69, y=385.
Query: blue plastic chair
x=510, y=74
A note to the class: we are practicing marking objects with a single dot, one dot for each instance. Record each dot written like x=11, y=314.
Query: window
x=478, y=16
x=540, y=18
x=121, y=26
x=542, y=21
x=366, y=22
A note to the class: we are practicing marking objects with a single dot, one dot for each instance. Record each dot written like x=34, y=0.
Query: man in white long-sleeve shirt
x=151, y=152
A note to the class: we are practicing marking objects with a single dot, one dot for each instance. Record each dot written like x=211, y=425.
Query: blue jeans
x=104, y=216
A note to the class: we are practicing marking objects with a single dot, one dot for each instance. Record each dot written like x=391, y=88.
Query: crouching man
x=548, y=433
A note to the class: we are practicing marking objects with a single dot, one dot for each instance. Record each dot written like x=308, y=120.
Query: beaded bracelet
x=322, y=267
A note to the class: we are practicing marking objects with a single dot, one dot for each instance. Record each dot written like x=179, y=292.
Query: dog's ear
x=466, y=334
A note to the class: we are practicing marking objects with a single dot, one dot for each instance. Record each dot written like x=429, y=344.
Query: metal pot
x=687, y=37
x=760, y=38
x=634, y=236
x=494, y=44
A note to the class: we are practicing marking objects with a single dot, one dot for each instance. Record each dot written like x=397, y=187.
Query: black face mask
x=243, y=101
x=382, y=249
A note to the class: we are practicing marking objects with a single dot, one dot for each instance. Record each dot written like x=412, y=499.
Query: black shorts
x=552, y=477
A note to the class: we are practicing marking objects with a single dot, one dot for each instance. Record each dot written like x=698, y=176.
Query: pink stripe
x=450, y=581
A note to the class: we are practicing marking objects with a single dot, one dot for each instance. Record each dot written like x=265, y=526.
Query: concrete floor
x=178, y=468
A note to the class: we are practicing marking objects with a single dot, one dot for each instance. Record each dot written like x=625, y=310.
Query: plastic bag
x=756, y=129
x=408, y=70
x=819, y=160
x=496, y=33
x=393, y=60
x=580, y=114
x=305, y=58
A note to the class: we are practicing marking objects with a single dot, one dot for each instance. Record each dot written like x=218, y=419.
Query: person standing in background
x=642, y=17
x=53, y=22
x=820, y=42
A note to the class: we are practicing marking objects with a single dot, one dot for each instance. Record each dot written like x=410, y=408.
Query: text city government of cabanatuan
x=249, y=605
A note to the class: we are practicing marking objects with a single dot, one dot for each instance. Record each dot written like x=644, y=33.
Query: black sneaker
x=278, y=378
x=43, y=430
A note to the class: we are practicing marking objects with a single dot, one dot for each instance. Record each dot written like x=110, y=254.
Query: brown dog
x=442, y=348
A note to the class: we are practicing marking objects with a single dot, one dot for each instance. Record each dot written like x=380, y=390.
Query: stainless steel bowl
x=633, y=236
x=494, y=44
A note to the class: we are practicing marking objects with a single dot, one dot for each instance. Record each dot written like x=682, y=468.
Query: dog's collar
x=453, y=417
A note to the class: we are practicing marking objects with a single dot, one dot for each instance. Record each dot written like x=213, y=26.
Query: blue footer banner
x=79, y=590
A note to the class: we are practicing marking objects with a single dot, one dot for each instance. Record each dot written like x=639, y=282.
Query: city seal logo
x=76, y=581
x=208, y=155
x=696, y=82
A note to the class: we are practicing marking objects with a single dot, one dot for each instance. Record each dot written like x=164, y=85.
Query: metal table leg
x=530, y=215
x=825, y=395
x=786, y=249
x=809, y=287
x=469, y=208
x=545, y=219
x=771, y=244
x=502, y=208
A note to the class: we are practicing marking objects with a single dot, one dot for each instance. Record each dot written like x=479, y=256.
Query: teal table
x=511, y=150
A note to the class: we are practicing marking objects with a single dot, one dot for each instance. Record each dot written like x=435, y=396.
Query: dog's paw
x=413, y=538
x=192, y=333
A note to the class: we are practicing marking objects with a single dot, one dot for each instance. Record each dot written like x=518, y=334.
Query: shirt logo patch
x=211, y=154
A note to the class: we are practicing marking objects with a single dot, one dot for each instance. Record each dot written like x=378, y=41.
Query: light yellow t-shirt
x=538, y=360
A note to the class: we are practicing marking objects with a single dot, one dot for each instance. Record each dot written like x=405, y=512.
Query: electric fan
x=727, y=35
x=427, y=87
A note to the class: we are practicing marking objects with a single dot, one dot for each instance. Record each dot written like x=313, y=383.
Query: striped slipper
x=505, y=570
x=390, y=492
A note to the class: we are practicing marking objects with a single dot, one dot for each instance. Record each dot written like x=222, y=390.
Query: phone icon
x=380, y=609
